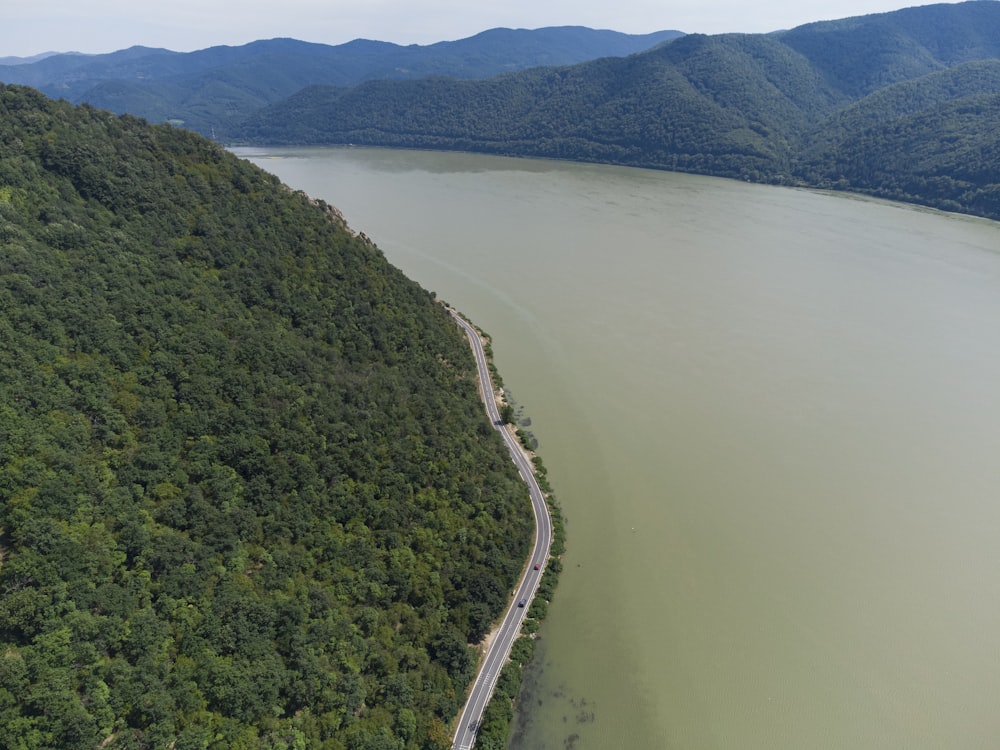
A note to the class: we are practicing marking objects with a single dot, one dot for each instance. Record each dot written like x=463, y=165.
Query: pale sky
x=28, y=27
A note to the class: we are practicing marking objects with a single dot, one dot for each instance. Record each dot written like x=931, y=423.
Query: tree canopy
x=248, y=493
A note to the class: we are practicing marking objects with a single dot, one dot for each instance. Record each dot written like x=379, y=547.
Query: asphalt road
x=486, y=680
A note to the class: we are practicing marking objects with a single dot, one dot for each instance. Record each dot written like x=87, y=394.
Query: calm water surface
x=772, y=417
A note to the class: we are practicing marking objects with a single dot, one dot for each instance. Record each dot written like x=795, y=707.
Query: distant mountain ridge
x=208, y=88
x=901, y=105
x=15, y=60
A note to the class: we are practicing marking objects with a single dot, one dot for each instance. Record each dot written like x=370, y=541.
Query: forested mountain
x=208, y=88
x=823, y=105
x=860, y=55
x=248, y=496
x=933, y=140
x=674, y=107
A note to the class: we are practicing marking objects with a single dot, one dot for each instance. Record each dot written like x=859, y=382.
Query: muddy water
x=772, y=417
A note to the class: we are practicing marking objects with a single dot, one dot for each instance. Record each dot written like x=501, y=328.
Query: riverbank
x=496, y=722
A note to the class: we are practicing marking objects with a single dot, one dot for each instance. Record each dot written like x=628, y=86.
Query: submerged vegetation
x=249, y=498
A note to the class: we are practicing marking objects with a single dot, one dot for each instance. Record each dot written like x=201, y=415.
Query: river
x=772, y=418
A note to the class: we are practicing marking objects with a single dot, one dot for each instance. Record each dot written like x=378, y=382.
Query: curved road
x=496, y=656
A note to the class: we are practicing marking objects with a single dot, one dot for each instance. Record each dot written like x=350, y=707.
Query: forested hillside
x=208, y=89
x=820, y=105
x=248, y=497
x=862, y=54
x=932, y=140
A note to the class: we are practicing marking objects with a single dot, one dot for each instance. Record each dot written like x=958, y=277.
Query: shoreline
x=488, y=712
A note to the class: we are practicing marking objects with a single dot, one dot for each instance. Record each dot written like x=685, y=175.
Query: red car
x=538, y=566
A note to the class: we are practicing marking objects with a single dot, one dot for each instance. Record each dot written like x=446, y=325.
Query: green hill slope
x=248, y=495
x=932, y=140
x=862, y=54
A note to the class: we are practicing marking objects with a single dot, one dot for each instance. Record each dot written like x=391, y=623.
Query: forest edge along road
x=503, y=639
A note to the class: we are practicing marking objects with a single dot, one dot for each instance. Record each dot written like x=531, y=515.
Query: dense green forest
x=248, y=494
x=933, y=141
x=839, y=104
x=210, y=88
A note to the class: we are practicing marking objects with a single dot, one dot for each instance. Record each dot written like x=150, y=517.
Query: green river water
x=772, y=418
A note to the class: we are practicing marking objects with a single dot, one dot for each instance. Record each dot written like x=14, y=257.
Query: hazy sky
x=28, y=27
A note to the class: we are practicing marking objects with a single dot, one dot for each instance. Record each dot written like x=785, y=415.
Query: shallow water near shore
x=772, y=418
